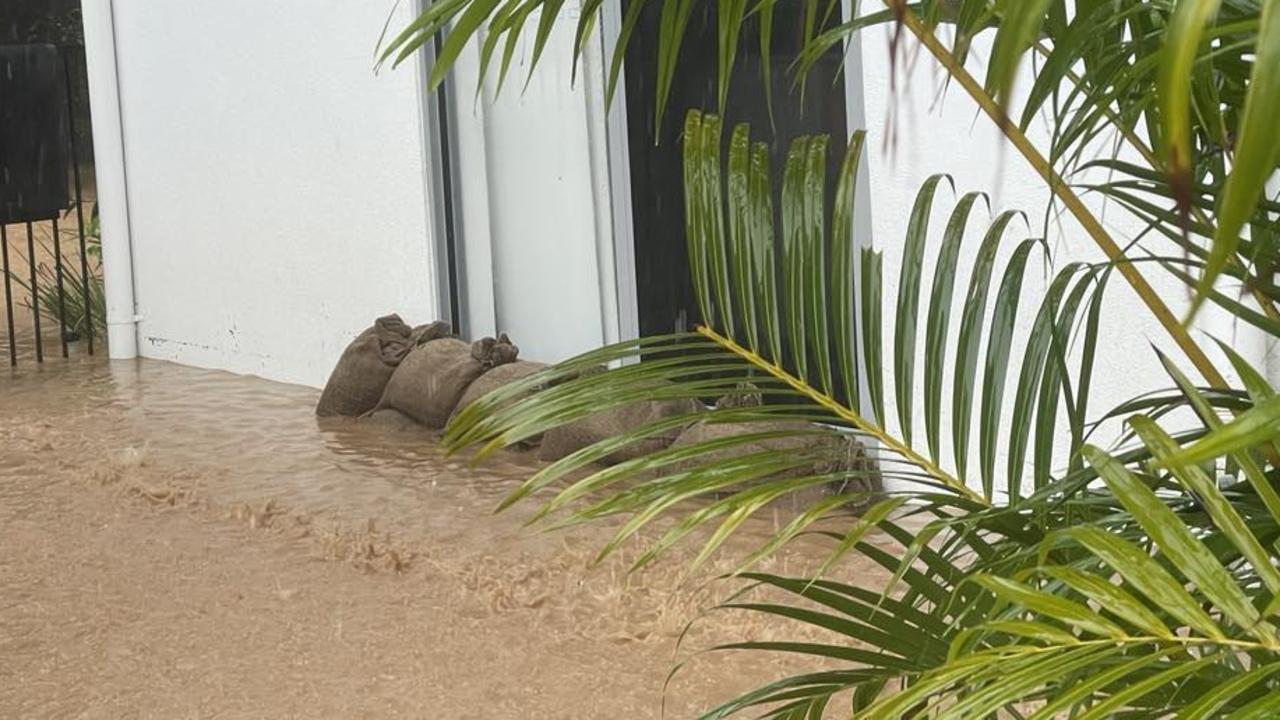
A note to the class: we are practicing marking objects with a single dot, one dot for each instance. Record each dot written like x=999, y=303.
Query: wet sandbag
x=849, y=455
x=565, y=439
x=427, y=333
x=707, y=430
x=831, y=452
x=499, y=377
x=357, y=381
x=391, y=420
x=433, y=376
x=826, y=453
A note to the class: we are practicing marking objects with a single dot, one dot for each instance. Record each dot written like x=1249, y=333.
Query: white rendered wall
x=276, y=185
x=951, y=135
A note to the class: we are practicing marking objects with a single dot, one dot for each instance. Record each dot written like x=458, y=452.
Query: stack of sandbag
x=565, y=439
x=433, y=377
x=496, y=378
x=831, y=452
x=388, y=420
x=358, y=380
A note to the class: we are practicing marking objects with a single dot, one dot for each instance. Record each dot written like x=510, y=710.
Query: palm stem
x=844, y=413
x=1065, y=194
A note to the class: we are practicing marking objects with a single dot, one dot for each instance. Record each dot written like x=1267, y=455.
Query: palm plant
x=1191, y=87
x=1137, y=582
x=959, y=623
x=80, y=283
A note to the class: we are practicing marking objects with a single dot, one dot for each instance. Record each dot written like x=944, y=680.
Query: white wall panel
x=276, y=184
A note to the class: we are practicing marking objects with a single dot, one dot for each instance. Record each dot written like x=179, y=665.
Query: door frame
x=619, y=155
x=440, y=167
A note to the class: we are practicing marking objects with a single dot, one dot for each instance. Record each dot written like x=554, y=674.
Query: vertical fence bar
x=62, y=295
x=35, y=292
x=8, y=296
x=75, y=173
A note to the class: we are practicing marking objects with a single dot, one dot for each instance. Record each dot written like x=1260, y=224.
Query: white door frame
x=619, y=156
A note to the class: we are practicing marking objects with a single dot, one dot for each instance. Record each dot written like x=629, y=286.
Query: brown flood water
x=180, y=543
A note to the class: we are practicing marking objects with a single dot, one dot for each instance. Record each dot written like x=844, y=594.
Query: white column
x=113, y=201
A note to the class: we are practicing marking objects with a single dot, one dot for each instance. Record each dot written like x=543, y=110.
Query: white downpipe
x=113, y=198
x=475, y=214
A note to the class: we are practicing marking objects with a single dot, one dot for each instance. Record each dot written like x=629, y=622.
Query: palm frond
x=1139, y=601
x=1139, y=582
x=772, y=308
x=1197, y=80
x=1150, y=608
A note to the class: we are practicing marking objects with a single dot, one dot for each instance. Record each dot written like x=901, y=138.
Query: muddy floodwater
x=179, y=543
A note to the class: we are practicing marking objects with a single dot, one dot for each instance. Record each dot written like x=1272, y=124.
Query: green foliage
x=69, y=306
x=1131, y=584
x=1135, y=582
x=1199, y=80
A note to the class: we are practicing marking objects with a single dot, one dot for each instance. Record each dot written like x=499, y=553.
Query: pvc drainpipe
x=113, y=197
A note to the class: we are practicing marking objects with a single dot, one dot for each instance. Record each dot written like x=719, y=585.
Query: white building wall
x=949, y=134
x=276, y=184
x=536, y=232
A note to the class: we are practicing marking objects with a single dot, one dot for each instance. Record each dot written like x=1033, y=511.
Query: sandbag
x=830, y=453
x=358, y=380
x=432, y=378
x=746, y=395
x=391, y=420
x=561, y=441
x=706, y=431
x=498, y=377
x=427, y=333
x=862, y=473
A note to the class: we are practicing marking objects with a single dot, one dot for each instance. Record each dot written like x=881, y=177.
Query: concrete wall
x=276, y=185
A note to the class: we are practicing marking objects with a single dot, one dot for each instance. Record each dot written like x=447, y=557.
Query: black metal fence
x=49, y=250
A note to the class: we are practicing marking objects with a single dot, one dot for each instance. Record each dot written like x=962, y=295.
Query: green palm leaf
x=904, y=348
x=1131, y=584
x=1208, y=63
x=940, y=318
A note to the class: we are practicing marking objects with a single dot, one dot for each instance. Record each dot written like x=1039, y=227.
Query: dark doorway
x=664, y=294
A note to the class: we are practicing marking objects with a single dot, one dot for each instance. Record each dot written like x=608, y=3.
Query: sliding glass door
x=663, y=295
